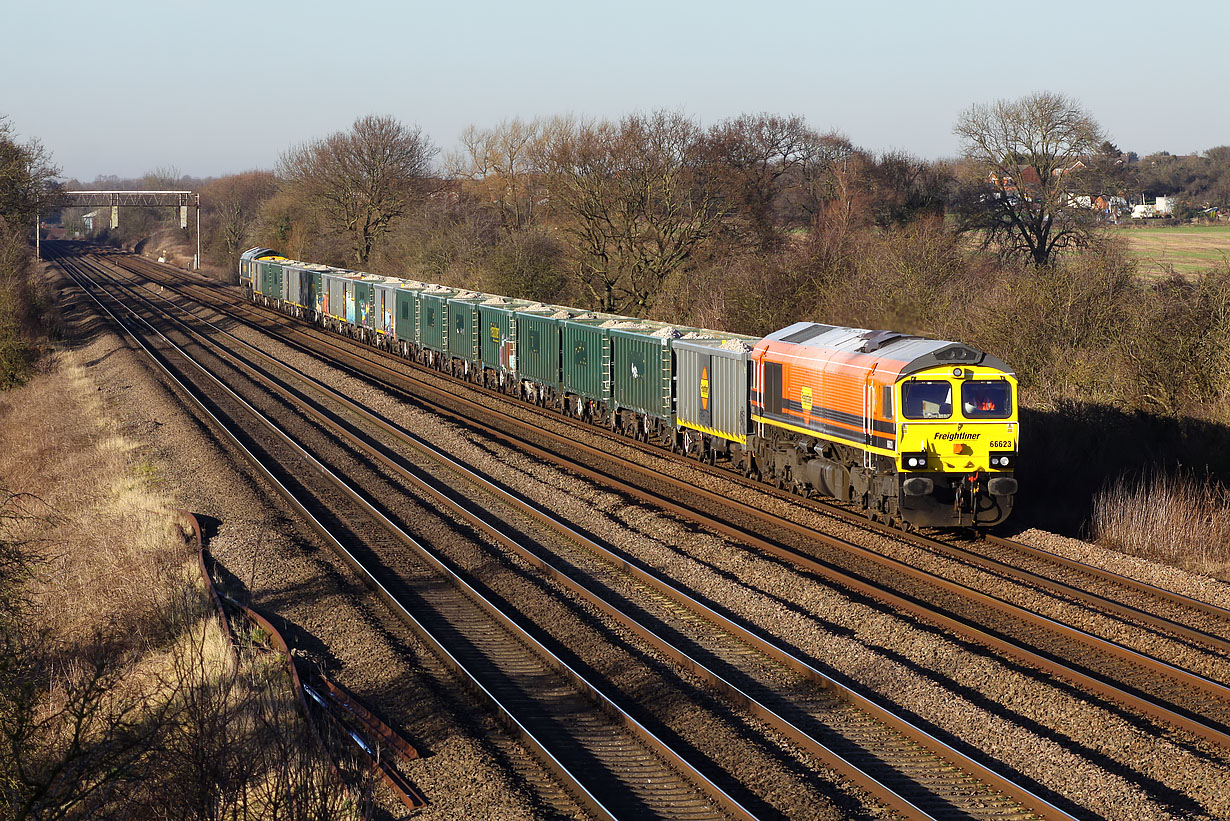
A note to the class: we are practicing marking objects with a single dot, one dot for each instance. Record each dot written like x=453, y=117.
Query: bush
x=528, y=265
x=17, y=353
x=1175, y=518
x=1059, y=326
x=911, y=278
x=1175, y=360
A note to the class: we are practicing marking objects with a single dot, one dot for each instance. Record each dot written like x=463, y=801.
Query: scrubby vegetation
x=27, y=188
x=17, y=350
x=119, y=695
x=1171, y=517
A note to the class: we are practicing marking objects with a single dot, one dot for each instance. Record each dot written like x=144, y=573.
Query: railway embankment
x=119, y=691
x=1145, y=485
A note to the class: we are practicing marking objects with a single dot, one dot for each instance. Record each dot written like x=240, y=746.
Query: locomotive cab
x=957, y=445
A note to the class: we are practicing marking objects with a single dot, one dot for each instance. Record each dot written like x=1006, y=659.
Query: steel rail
x=405, y=791
x=1023, y=575
x=562, y=771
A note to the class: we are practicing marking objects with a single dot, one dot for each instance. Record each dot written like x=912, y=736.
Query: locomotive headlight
x=914, y=461
x=1002, y=460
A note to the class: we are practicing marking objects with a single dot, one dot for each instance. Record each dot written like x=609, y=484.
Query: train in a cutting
x=911, y=431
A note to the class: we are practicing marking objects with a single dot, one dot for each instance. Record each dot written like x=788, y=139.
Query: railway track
x=612, y=764
x=911, y=771
x=1126, y=597
x=1152, y=687
x=1189, y=719
x=871, y=745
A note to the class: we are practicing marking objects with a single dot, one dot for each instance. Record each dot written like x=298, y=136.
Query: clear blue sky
x=215, y=87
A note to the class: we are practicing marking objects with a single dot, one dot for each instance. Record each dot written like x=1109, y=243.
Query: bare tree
x=765, y=161
x=637, y=198
x=824, y=175
x=231, y=206
x=27, y=178
x=1025, y=158
x=903, y=187
x=498, y=165
x=163, y=178
x=364, y=179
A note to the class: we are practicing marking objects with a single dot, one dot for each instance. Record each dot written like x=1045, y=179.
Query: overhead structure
x=143, y=199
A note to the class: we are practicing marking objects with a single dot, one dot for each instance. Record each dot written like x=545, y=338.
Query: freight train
x=914, y=432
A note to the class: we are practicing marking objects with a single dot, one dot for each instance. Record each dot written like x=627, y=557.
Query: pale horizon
x=227, y=87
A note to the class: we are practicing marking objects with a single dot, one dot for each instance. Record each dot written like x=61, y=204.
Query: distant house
x=1076, y=166
x=1029, y=179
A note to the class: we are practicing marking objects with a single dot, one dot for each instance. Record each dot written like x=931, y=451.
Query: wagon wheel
x=751, y=470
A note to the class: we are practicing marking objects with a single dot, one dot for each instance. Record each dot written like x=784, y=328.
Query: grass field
x=1184, y=249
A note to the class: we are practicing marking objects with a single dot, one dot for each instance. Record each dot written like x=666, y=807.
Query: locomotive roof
x=914, y=352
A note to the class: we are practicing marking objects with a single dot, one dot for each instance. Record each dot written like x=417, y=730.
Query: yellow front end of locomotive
x=957, y=420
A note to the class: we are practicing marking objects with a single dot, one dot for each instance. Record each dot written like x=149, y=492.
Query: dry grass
x=1176, y=519
x=115, y=627
x=1182, y=249
x=112, y=541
